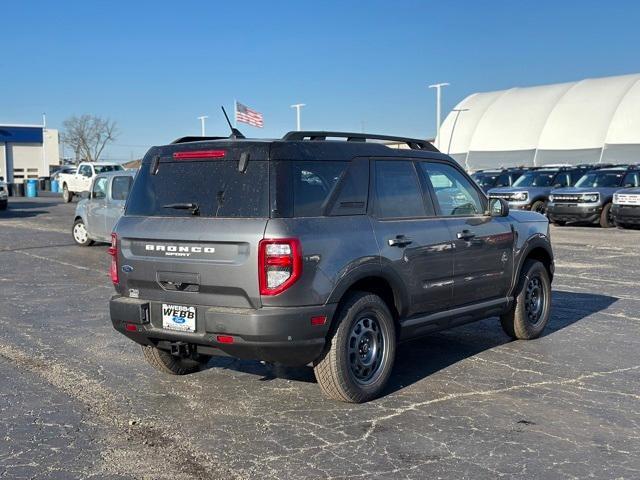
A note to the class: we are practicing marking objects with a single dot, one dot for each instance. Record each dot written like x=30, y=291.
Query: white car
x=80, y=181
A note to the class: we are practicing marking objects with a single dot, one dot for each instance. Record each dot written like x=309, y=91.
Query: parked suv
x=307, y=250
x=531, y=191
x=590, y=200
x=626, y=208
x=503, y=177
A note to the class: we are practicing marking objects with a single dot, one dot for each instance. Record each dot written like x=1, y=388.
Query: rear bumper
x=274, y=334
x=574, y=213
x=626, y=214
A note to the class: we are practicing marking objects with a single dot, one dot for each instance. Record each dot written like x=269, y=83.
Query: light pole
x=298, y=106
x=202, y=119
x=438, y=87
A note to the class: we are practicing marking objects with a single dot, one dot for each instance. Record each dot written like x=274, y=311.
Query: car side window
x=632, y=179
x=562, y=180
x=455, y=194
x=85, y=170
x=99, y=188
x=120, y=187
x=398, y=191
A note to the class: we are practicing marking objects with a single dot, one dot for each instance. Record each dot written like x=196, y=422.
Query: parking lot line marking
x=30, y=226
x=79, y=267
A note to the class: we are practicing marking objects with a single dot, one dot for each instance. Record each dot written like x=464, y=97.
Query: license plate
x=179, y=317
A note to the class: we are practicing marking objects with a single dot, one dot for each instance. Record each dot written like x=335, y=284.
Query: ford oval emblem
x=127, y=268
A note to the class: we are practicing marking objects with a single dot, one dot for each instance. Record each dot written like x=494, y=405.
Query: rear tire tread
x=166, y=363
x=331, y=371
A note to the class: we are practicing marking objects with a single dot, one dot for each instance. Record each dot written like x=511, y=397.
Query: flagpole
x=235, y=113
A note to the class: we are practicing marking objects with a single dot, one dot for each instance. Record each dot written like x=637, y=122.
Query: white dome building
x=589, y=121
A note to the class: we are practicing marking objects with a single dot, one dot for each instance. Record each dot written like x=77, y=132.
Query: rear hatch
x=192, y=225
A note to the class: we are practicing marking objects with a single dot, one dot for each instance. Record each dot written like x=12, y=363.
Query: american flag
x=245, y=115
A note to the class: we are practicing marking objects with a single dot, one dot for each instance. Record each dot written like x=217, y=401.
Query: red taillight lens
x=113, y=251
x=279, y=264
x=199, y=154
x=224, y=339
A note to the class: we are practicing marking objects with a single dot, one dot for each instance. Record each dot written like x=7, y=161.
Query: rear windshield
x=208, y=188
x=107, y=168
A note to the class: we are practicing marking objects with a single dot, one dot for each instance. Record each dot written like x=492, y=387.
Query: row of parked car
x=604, y=194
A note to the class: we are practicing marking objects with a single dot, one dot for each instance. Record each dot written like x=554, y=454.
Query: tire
x=80, y=234
x=164, y=362
x=527, y=318
x=361, y=353
x=3, y=205
x=539, y=206
x=622, y=225
x=606, y=219
x=67, y=196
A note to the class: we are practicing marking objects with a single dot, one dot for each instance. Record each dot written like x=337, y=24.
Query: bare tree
x=87, y=135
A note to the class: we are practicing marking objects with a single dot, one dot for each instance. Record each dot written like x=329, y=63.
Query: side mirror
x=1, y=179
x=85, y=195
x=498, y=207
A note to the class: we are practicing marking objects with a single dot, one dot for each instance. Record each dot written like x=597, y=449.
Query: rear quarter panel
x=332, y=248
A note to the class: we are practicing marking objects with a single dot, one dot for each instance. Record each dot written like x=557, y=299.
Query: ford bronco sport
x=321, y=248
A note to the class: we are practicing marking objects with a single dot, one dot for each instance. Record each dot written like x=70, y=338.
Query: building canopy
x=589, y=121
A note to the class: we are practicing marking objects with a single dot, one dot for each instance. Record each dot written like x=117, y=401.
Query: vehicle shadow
x=422, y=357
x=26, y=209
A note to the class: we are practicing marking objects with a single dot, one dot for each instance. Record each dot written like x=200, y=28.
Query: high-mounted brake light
x=188, y=155
x=113, y=251
x=279, y=264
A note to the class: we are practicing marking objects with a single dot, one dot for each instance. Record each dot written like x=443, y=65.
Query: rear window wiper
x=194, y=207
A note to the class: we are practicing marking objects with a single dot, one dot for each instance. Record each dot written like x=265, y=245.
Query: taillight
x=279, y=264
x=188, y=155
x=113, y=251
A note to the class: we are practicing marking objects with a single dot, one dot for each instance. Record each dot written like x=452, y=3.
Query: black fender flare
x=538, y=241
x=372, y=269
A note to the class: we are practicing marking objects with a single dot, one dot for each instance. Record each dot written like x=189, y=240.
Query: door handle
x=399, y=241
x=465, y=235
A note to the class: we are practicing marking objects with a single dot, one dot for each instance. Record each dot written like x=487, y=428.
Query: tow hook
x=181, y=349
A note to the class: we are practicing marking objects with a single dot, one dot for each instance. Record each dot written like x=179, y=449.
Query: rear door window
x=313, y=183
x=120, y=187
x=215, y=186
x=398, y=191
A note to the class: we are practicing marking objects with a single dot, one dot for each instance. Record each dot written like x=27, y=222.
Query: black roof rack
x=195, y=139
x=413, y=143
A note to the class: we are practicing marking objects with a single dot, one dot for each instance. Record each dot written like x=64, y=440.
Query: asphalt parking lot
x=78, y=401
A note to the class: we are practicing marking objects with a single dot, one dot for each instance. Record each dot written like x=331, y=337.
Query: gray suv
x=321, y=248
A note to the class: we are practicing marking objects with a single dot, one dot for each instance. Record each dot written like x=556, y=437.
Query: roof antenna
x=235, y=133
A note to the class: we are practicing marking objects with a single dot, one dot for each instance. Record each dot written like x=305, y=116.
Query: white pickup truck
x=80, y=181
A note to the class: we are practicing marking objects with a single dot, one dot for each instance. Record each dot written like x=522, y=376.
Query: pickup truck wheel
x=164, y=362
x=80, y=234
x=532, y=306
x=3, y=204
x=361, y=351
x=67, y=196
x=539, y=207
x=606, y=217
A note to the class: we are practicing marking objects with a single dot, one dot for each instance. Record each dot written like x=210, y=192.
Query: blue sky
x=155, y=66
